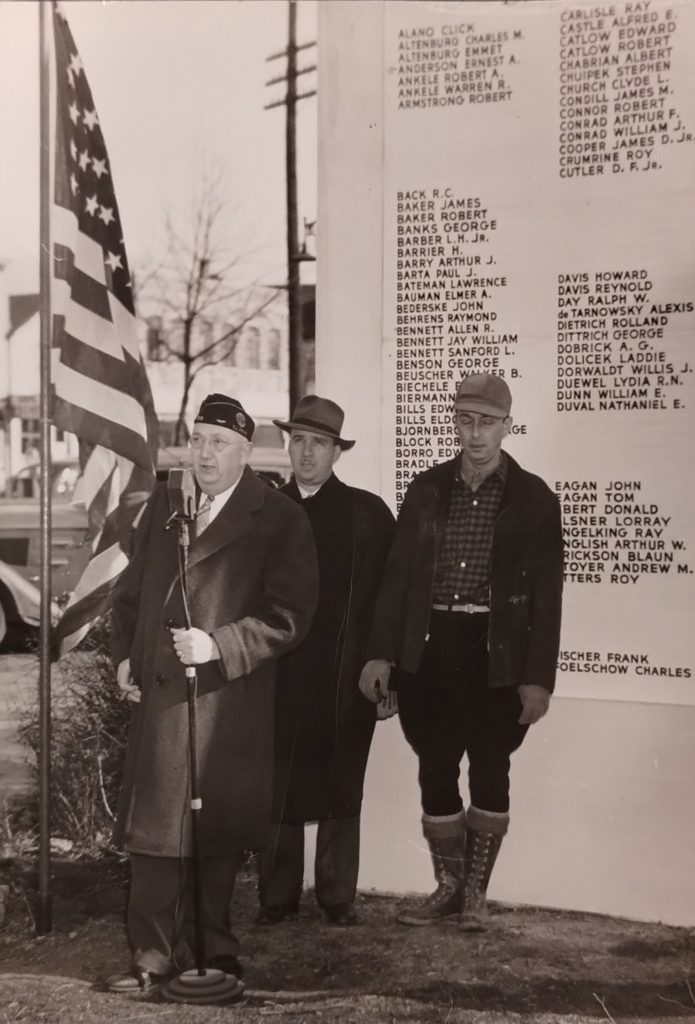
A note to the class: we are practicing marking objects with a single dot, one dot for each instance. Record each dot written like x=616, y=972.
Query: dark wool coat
x=526, y=576
x=252, y=584
x=324, y=725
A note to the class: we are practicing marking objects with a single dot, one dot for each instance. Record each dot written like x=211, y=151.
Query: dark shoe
x=134, y=982
x=342, y=914
x=275, y=914
x=227, y=963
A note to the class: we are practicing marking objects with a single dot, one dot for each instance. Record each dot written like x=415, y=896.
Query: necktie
x=203, y=517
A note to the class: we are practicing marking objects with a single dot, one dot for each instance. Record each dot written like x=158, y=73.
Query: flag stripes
x=86, y=254
x=97, y=473
x=91, y=596
x=97, y=423
x=100, y=388
x=80, y=284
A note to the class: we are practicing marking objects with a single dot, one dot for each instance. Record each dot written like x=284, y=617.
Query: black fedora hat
x=318, y=415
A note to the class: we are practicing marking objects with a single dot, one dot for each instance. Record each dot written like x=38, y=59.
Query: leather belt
x=467, y=609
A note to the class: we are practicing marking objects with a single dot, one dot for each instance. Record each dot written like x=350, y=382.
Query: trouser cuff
x=154, y=962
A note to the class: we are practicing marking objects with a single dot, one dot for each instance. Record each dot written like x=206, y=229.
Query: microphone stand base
x=211, y=988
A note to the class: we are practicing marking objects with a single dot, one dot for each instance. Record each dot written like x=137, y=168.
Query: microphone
x=181, y=495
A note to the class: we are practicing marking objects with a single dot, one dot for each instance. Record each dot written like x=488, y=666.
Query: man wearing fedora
x=469, y=615
x=251, y=591
x=323, y=724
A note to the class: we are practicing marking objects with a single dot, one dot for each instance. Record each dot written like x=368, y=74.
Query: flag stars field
x=99, y=167
x=76, y=64
x=114, y=261
x=100, y=387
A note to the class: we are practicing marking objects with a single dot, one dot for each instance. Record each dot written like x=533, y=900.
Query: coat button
x=160, y=679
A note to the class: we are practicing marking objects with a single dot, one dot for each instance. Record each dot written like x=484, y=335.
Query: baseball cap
x=486, y=393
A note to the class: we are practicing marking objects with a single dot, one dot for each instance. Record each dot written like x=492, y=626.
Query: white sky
x=176, y=85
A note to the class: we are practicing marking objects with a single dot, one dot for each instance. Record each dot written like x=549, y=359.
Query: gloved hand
x=194, y=646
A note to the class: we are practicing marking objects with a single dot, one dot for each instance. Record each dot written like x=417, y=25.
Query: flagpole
x=44, y=922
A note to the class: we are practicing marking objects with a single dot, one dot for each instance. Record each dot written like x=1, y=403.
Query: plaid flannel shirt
x=463, y=567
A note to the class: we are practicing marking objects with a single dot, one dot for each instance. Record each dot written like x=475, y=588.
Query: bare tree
x=200, y=291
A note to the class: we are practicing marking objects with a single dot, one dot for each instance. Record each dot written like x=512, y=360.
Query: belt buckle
x=469, y=608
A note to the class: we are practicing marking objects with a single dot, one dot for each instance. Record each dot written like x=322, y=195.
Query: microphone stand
x=202, y=985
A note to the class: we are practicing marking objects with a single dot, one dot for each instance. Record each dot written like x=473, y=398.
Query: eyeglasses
x=217, y=443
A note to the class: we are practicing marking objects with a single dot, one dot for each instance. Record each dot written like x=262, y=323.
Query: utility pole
x=294, y=255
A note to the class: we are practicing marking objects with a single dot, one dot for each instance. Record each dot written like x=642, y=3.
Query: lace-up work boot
x=445, y=838
x=484, y=835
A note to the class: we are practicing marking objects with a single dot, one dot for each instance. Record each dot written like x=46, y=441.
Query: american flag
x=100, y=387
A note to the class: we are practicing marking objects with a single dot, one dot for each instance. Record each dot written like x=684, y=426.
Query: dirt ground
x=532, y=965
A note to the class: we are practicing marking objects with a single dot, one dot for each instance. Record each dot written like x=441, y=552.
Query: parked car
x=20, y=602
x=27, y=482
x=20, y=520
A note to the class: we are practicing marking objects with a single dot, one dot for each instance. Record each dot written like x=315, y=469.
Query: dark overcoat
x=324, y=725
x=252, y=584
x=526, y=576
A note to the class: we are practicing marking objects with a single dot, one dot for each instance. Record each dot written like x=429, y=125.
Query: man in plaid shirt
x=468, y=615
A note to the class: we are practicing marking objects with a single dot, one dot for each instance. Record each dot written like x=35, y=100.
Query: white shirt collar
x=218, y=500
x=306, y=493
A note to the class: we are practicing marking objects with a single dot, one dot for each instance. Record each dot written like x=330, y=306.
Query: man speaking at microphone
x=252, y=588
